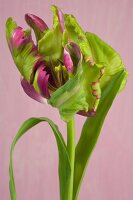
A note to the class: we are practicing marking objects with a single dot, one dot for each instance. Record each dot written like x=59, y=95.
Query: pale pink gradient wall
x=110, y=173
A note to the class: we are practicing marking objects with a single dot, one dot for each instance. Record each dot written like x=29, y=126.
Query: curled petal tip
x=58, y=14
x=68, y=61
x=38, y=25
x=34, y=20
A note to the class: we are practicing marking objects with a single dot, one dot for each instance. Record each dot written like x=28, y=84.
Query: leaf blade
x=64, y=165
x=89, y=138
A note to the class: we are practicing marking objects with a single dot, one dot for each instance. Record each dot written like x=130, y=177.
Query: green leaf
x=92, y=128
x=64, y=164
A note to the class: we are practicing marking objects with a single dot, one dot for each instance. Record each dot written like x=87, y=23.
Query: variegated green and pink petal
x=37, y=24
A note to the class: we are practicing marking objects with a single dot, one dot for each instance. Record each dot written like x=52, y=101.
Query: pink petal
x=68, y=61
x=30, y=91
x=42, y=80
x=61, y=20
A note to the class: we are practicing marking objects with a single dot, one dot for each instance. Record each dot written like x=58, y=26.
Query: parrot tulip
x=67, y=67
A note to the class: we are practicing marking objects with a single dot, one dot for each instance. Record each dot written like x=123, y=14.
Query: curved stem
x=71, y=153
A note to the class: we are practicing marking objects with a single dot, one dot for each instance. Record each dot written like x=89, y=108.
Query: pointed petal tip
x=57, y=11
x=35, y=22
x=10, y=27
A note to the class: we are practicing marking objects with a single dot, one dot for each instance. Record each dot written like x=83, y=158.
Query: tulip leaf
x=91, y=129
x=64, y=164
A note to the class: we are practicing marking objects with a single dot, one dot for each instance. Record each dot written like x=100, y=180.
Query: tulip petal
x=50, y=46
x=72, y=56
x=76, y=34
x=30, y=91
x=10, y=27
x=37, y=24
x=68, y=61
x=61, y=19
x=16, y=36
x=42, y=81
x=23, y=49
x=104, y=53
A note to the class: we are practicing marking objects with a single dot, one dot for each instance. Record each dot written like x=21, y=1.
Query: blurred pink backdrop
x=110, y=172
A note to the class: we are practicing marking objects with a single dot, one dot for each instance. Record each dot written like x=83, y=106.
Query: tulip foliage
x=74, y=71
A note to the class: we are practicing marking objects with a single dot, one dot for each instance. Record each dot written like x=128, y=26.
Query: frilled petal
x=103, y=53
x=76, y=34
x=37, y=24
x=81, y=94
x=31, y=92
x=23, y=49
x=71, y=98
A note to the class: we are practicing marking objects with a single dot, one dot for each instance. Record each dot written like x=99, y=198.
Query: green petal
x=10, y=26
x=70, y=98
x=75, y=33
x=91, y=83
x=51, y=44
x=103, y=53
x=77, y=93
x=24, y=56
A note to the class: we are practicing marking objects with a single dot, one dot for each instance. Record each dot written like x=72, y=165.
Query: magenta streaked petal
x=37, y=24
x=61, y=20
x=42, y=81
x=68, y=61
x=30, y=91
x=34, y=20
x=18, y=37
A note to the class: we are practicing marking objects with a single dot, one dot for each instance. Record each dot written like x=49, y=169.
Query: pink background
x=110, y=173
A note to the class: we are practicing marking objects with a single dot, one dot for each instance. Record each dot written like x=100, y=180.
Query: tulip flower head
x=67, y=67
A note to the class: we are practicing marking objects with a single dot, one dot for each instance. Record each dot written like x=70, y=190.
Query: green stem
x=71, y=153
